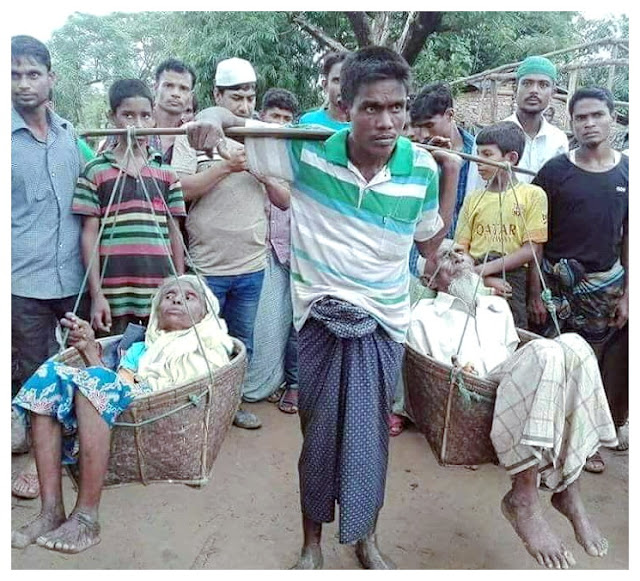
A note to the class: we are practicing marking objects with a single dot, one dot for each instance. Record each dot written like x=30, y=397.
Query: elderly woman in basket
x=66, y=402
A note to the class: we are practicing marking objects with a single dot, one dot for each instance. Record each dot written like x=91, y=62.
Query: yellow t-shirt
x=524, y=211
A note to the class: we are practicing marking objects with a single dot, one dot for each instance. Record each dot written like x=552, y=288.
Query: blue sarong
x=348, y=369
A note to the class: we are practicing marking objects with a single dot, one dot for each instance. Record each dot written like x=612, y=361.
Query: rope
x=194, y=400
x=129, y=156
x=545, y=295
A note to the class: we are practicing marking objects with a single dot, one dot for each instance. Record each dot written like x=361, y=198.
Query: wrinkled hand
x=81, y=334
x=502, y=287
x=101, y=314
x=207, y=136
x=621, y=314
x=536, y=310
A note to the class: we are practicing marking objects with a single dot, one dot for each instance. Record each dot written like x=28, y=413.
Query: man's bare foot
x=370, y=556
x=570, y=504
x=536, y=534
x=76, y=534
x=43, y=523
x=310, y=558
x=26, y=484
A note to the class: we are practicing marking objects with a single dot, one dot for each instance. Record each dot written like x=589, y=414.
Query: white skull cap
x=234, y=71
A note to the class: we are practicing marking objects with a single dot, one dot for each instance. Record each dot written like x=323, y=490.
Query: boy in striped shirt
x=128, y=194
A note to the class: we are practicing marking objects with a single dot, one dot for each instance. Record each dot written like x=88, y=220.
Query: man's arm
x=207, y=132
x=522, y=256
x=100, y=310
x=278, y=191
x=621, y=315
x=175, y=240
x=196, y=185
x=449, y=172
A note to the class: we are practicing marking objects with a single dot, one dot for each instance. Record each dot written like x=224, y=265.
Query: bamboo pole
x=287, y=133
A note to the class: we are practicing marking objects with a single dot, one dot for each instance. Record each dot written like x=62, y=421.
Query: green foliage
x=90, y=52
x=281, y=54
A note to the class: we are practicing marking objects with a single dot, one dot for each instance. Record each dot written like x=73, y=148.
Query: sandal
x=289, y=401
x=276, y=396
x=26, y=485
x=396, y=425
x=595, y=464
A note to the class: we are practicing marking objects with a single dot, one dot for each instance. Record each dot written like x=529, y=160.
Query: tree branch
x=418, y=27
x=319, y=35
x=361, y=28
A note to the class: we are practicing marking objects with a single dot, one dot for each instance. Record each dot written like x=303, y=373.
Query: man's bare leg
x=368, y=553
x=521, y=507
x=47, y=442
x=311, y=553
x=81, y=530
x=569, y=503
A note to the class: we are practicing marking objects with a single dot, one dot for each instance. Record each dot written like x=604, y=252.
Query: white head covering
x=234, y=71
x=175, y=358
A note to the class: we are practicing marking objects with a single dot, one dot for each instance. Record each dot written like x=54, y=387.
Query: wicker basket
x=455, y=416
x=173, y=435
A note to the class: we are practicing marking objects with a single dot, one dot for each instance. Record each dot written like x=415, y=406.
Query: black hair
x=240, y=87
x=599, y=93
x=282, y=99
x=126, y=89
x=23, y=46
x=371, y=64
x=507, y=136
x=433, y=99
x=176, y=66
x=331, y=59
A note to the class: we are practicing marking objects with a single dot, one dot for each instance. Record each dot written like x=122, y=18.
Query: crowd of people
x=310, y=253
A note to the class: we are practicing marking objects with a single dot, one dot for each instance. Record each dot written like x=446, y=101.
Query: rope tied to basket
x=456, y=377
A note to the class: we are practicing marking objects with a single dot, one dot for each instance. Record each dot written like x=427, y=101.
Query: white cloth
x=175, y=358
x=438, y=324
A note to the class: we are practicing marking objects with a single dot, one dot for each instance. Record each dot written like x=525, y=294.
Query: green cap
x=537, y=65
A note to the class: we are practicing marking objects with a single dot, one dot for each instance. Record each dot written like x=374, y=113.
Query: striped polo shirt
x=351, y=238
x=135, y=241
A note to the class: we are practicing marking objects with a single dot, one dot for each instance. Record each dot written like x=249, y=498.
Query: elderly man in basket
x=72, y=409
x=551, y=411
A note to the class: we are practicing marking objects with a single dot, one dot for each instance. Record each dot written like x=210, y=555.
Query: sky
x=40, y=22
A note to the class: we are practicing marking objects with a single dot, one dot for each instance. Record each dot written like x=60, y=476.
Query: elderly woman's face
x=180, y=306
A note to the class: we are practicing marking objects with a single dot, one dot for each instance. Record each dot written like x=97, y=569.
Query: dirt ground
x=247, y=516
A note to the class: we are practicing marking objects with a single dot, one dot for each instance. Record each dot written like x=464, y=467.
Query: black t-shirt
x=587, y=211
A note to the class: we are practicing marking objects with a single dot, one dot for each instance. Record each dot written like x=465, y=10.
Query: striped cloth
x=351, y=237
x=135, y=241
x=348, y=371
x=271, y=329
x=584, y=301
x=551, y=410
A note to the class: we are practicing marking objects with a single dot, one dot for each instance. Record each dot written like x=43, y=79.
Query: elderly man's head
x=454, y=272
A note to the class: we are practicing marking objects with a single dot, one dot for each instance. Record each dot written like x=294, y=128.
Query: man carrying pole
x=359, y=201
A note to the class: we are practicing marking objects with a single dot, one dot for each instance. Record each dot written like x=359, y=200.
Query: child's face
x=492, y=152
x=277, y=115
x=134, y=112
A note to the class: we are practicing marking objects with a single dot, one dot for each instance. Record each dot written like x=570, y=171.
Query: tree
x=405, y=32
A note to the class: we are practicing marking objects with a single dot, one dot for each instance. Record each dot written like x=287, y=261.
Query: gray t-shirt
x=227, y=227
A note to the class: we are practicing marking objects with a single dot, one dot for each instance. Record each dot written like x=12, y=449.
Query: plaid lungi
x=348, y=368
x=551, y=410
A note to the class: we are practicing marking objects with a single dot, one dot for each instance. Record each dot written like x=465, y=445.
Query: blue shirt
x=46, y=261
x=468, y=143
x=321, y=117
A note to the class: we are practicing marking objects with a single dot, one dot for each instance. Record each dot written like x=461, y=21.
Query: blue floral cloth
x=50, y=391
